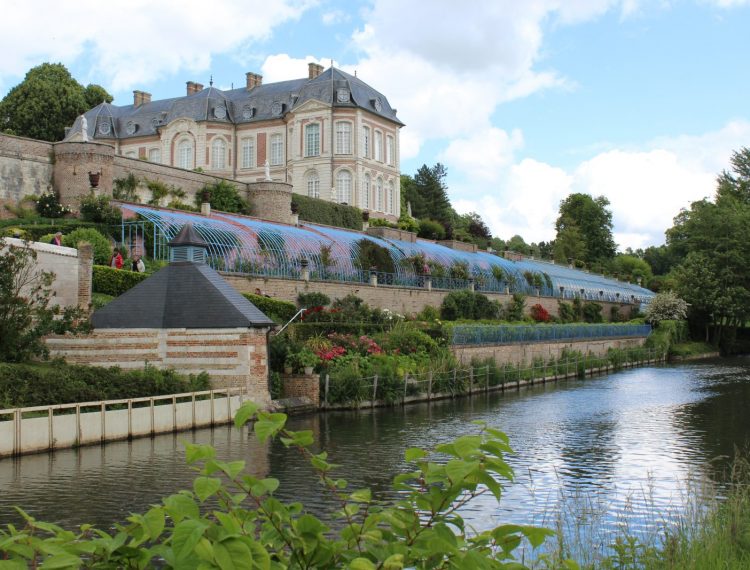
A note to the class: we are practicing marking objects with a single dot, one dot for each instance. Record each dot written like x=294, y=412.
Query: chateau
x=329, y=135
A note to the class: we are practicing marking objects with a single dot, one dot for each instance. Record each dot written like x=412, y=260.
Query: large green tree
x=592, y=219
x=46, y=101
x=428, y=194
x=711, y=239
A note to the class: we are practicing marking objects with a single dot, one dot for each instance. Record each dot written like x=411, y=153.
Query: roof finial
x=211, y=81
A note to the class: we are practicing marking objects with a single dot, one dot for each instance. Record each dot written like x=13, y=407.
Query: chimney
x=253, y=80
x=313, y=70
x=198, y=87
x=141, y=97
x=190, y=88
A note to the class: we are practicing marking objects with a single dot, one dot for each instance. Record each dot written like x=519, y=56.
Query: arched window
x=391, y=207
x=154, y=155
x=185, y=154
x=312, y=139
x=365, y=142
x=277, y=150
x=364, y=198
x=343, y=137
x=378, y=146
x=389, y=150
x=218, y=154
x=248, y=153
x=313, y=185
x=379, y=194
x=344, y=187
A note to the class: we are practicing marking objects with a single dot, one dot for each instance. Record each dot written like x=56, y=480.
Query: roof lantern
x=188, y=245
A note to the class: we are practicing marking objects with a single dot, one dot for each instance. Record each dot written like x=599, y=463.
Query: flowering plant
x=48, y=206
x=540, y=314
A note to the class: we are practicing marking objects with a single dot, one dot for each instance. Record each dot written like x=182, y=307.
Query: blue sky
x=524, y=102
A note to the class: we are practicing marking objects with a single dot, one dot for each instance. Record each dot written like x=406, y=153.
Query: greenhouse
x=239, y=244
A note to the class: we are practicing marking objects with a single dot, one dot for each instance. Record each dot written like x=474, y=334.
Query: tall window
x=344, y=187
x=343, y=137
x=364, y=198
x=154, y=155
x=366, y=142
x=185, y=154
x=277, y=150
x=248, y=153
x=313, y=185
x=379, y=146
x=218, y=154
x=389, y=150
x=379, y=194
x=312, y=139
x=391, y=207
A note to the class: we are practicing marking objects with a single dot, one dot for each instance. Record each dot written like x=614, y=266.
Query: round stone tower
x=73, y=163
x=271, y=200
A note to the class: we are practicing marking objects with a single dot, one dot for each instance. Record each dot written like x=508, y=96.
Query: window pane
x=391, y=207
x=218, y=154
x=364, y=199
x=154, y=155
x=312, y=140
x=313, y=185
x=185, y=155
x=366, y=142
x=248, y=153
x=344, y=187
x=378, y=146
x=343, y=138
x=389, y=150
x=277, y=150
x=379, y=194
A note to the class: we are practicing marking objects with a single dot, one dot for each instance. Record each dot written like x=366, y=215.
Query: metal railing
x=509, y=334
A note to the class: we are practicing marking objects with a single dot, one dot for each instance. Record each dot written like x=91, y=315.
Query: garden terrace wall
x=526, y=353
x=403, y=300
x=71, y=267
x=26, y=168
x=233, y=358
x=187, y=180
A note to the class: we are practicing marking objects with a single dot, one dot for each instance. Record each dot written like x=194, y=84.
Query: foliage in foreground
x=42, y=384
x=232, y=520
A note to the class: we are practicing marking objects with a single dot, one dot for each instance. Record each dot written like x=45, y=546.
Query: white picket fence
x=45, y=428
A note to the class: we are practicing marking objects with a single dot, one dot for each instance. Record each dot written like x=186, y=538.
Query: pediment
x=311, y=106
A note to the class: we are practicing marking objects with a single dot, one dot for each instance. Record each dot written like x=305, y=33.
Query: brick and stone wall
x=71, y=267
x=526, y=353
x=271, y=201
x=236, y=357
x=399, y=299
x=301, y=386
x=26, y=168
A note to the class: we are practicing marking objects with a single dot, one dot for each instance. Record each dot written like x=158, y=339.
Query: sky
x=523, y=101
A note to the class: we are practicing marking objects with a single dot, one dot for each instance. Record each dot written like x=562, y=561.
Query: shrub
x=277, y=309
x=223, y=196
x=48, y=206
x=430, y=229
x=24, y=385
x=666, y=306
x=99, y=210
x=370, y=254
x=115, y=282
x=467, y=305
x=592, y=312
x=125, y=188
x=352, y=309
x=459, y=270
x=407, y=339
x=515, y=307
x=327, y=213
x=540, y=314
x=99, y=243
x=313, y=299
x=409, y=224
x=160, y=190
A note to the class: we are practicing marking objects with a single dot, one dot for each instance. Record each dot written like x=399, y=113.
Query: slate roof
x=261, y=103
x=187, y=236
x=182, y=295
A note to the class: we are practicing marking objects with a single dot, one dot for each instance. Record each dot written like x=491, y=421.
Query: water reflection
x=616, y=449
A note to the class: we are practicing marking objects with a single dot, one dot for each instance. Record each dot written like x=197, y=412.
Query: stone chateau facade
x=329, y=135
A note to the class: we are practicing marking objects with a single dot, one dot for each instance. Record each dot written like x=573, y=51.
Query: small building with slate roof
x=186, y=317
x=330, y=135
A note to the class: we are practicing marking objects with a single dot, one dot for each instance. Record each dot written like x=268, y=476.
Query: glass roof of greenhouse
x=248, y=245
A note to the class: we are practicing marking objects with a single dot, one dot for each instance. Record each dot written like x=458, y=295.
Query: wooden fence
x=45, y=428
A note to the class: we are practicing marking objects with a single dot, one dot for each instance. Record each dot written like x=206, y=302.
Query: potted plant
x=307, y=360
x=295, y=208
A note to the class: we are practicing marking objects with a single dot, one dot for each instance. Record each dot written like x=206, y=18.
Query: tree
x=569, y=245
x=666, y=306
x=517, y=244
x=46, y=101
x=25, y=314
x=631, y=268
x=593, y=220
x=428, y=194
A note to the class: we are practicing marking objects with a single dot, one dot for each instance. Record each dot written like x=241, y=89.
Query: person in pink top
x=57, y=240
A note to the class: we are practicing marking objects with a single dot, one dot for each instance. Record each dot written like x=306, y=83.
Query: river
x=600, y=454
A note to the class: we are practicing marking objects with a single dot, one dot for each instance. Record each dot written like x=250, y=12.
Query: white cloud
x=483, y=154
x=646, y=187
x=334, y=17
x=280, y=67
x=132, y=43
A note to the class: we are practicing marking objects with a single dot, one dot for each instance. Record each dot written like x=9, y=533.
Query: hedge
x=320, y=211
x=35, y=228
x=276, y=309
x=25, y=385
x=113, y=281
